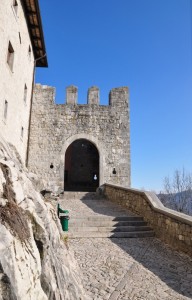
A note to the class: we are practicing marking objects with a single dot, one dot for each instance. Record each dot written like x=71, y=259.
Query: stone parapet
x=118, y=97
x=172, y=227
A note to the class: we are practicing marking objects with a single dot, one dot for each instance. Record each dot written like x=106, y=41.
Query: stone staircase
x=109, y=228
x=92, y=215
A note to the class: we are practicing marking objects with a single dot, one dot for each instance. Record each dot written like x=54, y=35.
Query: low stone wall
x=172, y=227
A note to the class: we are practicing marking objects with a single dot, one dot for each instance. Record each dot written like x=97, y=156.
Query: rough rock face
x=34, y=260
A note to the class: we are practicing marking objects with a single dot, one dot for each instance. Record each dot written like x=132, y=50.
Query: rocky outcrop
x=34, y=260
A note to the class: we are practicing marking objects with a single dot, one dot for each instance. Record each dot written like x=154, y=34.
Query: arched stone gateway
x=54, y=127
x=81, y=166
x=81, y=160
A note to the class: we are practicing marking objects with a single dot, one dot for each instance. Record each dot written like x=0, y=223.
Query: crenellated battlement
x=118, y=96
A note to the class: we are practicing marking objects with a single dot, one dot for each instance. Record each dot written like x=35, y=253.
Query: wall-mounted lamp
x=114, y=171
x=51, y=166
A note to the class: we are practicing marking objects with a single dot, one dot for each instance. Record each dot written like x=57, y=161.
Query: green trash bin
x=64, y=218
x=64, y=222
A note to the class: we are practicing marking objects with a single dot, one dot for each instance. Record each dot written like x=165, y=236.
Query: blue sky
x=143, y=44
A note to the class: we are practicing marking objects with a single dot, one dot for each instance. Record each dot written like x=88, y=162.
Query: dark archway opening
x=81, y=167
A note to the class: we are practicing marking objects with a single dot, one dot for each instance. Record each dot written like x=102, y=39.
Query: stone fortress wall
x=55, y=126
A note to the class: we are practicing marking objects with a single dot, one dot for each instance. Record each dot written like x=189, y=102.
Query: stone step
x=83, y=195
x=106, y=218
x=109, y=229
x=93, y=234
x=80, y=189
x=104, y=223
x=103, y=219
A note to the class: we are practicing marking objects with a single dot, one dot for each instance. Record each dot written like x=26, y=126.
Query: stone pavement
x=82, y=204
x=128, y=269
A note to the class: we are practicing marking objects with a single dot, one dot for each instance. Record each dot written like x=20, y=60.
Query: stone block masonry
x=54, y=127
